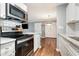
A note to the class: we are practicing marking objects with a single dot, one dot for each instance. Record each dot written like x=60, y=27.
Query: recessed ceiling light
x=48, y=24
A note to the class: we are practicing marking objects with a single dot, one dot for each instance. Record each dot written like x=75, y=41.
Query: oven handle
x=23, y=40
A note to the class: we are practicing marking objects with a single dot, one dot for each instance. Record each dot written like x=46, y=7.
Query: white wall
x=61, y=22
x=77, y=24
x=54, y=29
x=30, y=28
x=77, y=29
x=70, y=14
x=61, y=19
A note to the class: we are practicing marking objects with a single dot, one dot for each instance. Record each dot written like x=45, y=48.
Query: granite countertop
x=75, y=42
x=28, y=33
x=73, y=35
x=4, y=40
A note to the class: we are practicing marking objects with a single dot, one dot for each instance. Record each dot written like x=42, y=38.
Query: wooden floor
x=48, y=48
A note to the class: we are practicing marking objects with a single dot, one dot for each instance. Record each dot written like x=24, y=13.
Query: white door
x=37, y=36
x=50, y=30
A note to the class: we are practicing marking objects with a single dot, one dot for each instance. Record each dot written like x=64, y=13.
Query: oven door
x=14, y=12
x=25, y=48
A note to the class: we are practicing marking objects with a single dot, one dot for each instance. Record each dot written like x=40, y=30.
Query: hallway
x=48, y=48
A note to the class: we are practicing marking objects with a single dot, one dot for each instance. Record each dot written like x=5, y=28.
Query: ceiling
x=41, y=11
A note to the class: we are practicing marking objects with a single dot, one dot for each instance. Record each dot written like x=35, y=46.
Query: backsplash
x=8, y=25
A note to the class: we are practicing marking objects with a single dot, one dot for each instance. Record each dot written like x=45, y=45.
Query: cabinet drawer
x=8, y=53
x=7, y=47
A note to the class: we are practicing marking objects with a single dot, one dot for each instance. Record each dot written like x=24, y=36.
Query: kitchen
x=29, y=29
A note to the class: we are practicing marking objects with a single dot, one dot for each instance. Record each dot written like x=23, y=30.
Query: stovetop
x=16, y=35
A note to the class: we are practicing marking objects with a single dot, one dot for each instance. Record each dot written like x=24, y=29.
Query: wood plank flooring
x=48, y=48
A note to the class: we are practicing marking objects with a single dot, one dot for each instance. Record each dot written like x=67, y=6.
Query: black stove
x=16, y=35
x=23, y=48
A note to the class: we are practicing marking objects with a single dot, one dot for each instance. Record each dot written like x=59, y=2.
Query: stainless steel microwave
x=13, y=11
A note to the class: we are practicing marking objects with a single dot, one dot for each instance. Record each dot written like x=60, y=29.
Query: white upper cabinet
x=72, y=13
x=2, y=10
x=72, y=19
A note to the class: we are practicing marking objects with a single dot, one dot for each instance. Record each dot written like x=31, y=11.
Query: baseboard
x=30, y=53
x=58, y=51
x=35, y=52
x=40, y=46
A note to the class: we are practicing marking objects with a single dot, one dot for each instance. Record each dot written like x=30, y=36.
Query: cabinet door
x=77, y=11
x=2, y=10
x=8, y=49
x=72, y=11
x=36, y=42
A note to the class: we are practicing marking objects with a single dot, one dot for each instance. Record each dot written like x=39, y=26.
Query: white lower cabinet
x=8, y=49
x=37, y=42
x=68, y=46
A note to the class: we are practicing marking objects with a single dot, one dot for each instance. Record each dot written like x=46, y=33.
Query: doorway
x=50, y=30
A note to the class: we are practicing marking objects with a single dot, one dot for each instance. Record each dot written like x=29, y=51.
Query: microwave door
x=9, y=10
x=15, y=12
